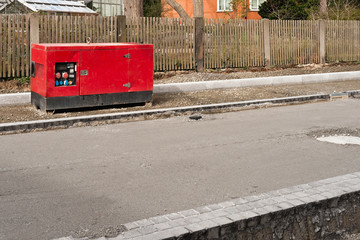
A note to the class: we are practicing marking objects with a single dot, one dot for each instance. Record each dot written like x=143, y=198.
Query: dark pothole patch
x=195, y=117
x=335, y=132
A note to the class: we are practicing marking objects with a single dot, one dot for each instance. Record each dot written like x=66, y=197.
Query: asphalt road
x=86, y=180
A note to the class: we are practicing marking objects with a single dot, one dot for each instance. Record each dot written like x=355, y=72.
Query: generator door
x=141, y=69
x=103, y=71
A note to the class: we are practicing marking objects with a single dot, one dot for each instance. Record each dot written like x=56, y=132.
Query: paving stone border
x=324, y=209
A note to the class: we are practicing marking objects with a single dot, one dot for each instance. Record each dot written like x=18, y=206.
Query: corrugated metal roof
x=57, y=6
x=2, y=3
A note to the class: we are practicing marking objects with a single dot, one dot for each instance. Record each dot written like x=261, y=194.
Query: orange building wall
x=210, y=10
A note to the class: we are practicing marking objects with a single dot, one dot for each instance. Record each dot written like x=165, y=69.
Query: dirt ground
x=28, y=112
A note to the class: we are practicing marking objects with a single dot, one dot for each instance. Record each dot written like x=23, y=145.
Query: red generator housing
x=67, y=76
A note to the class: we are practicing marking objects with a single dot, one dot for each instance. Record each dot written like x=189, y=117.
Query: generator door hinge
x=127, y=56
x=127, y=85
x=84, y=72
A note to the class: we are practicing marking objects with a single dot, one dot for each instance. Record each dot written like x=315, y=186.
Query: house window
x=224, y=5
x=109, y=7
x=255, y=4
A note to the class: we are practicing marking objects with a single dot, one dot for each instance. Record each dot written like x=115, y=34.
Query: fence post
x=266, y=24
x=121, y=28
x=34, y=28
x=322, y=43
x=199, y=43
x=34, y=34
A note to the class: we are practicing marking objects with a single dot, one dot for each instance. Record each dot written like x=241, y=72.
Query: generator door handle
x=127, y=56
x=32, y=69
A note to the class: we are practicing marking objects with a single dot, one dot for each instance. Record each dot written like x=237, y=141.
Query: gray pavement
x=59, y=183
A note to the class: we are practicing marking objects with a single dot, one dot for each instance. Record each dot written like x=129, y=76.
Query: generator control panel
x=65, y=74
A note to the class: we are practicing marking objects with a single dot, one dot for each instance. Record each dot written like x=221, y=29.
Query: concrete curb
x=24, y=98
x=14, y=98
x=251, y=82
x=18, y=127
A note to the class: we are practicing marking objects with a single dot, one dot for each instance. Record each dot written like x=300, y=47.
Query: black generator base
x=57, y=103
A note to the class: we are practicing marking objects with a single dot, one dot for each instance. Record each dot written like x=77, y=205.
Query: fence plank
x=168, y=29
x=13, y=49
x=9, y=50
x=22, y=46
x=4, y=46
x=27, y=48
x=168, y=44
x=1, y=47
x=17, y=42
x=44, y=29
x=68, y=29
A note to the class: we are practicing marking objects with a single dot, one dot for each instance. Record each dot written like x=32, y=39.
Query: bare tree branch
x=179, y=9
x=343, y=9
x=323, y=8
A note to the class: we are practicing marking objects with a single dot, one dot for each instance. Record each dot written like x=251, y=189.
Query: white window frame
x=257, y=4
x=224, y=10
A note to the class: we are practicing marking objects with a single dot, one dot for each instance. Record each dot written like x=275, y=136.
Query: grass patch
x=23, y=80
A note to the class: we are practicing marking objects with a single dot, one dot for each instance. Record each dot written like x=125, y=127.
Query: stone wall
x=326, y=219
x=326, y=209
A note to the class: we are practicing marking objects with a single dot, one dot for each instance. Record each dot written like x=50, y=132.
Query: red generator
x=67, y=76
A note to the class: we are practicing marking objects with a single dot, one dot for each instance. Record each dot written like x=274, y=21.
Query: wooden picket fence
x=14, y=46
x=173, y=40
x=77, y=29
x=227, y=43
x=233, y=43
x=294, y=42
x=343, y=41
